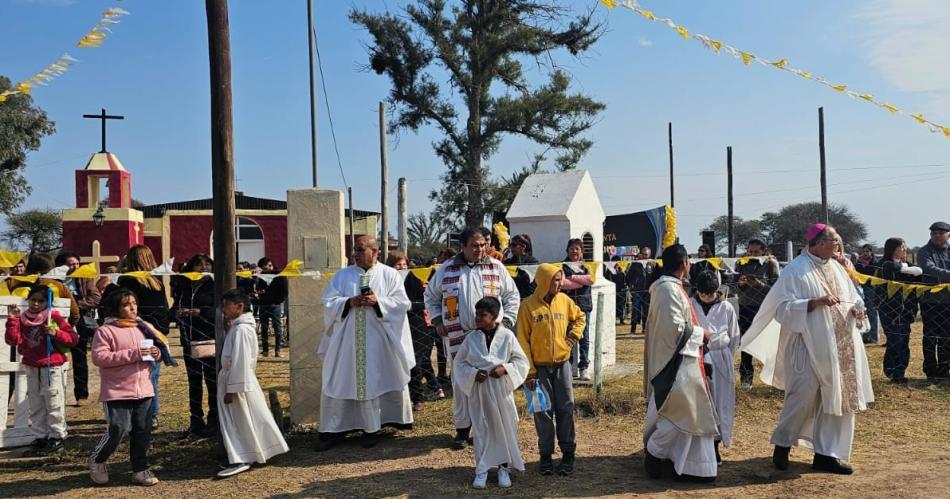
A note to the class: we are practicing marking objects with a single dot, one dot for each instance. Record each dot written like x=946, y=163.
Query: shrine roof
x=104, y=161
x=241, y=202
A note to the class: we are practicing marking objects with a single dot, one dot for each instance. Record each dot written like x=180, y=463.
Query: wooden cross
x=103, y=116
x=97, y=258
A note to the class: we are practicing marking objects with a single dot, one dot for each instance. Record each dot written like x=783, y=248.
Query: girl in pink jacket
x=124, y=366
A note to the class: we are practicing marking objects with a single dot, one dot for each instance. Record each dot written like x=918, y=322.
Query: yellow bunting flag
x=683, y=32
x=423, y=273
x=512, y=270
x=592, y=269
x=781, y=63
x=893, y=287
x=746, y=57
x=716, y=262
x=11, y=258
x=840, y=88
x=609, y=3
x=87, y=271
x=890, y=108
x=292, y=269
x=246, y=274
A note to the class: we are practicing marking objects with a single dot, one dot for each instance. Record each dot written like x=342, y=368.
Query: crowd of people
x=493, y=333
x=123, y=327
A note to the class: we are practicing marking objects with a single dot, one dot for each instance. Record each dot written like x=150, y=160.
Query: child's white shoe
x=481, y=480
x=504, y=477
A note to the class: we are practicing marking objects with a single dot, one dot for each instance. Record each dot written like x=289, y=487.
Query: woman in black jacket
x=897, y=312
x=194, y=309
x=152, y=303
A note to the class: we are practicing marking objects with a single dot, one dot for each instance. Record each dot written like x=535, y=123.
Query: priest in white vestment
x=718, y=318
x=489, y=366
x=366, y=350
x=681, y=424
x=450, y=300
x=805, y=335
x=248, y=430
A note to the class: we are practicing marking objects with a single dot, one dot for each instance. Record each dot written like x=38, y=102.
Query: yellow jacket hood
x=543, y=278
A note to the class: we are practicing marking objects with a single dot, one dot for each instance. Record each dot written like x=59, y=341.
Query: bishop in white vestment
x=248, y=429
x=366, y=350
x=805, y=336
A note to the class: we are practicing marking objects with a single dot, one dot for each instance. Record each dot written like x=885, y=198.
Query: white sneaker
x=585, y=375
x=746, y=386
x=234, y=470
x=98, y=472
x=146, y=478
x=481, y=480
x=504, y=477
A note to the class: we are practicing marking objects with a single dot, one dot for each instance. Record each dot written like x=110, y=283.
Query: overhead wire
x=326, y=99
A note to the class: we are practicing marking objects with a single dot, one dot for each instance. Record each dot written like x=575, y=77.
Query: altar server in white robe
x=248, y=430
x=366, y=350
x=681, y=425
x=806, y=337
x=489, y=366
x=718, y=317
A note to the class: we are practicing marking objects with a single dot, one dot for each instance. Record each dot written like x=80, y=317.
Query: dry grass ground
x=901, y=449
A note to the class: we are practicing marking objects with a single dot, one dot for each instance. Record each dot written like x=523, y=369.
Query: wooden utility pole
x=731, y=228
x=821, y=155
x=222, y=147
x=311, y=38
x=403, y=207
x=670, y=136
x=384, y=185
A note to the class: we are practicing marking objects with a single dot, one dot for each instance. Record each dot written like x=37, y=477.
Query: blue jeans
x=272, y=314
x=153, y=376
x=581, y=350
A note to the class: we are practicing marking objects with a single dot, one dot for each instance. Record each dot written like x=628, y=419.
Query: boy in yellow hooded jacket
x=549, y=325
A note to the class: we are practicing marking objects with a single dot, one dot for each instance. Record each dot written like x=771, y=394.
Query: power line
x=326, y=99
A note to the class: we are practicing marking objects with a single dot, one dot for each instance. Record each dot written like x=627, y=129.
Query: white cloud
x=908, y=43
x=645, y=42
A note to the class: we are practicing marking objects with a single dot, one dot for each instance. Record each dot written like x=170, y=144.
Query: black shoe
x=193, y=433
x=370, y=440
x=831, y=465
x=718, y=456
x=653, y=465
x=328, y=441
x=780, y=457
x=546, y=466
x=53, y=446
x=694, y=479
x=37, y=448
x=566, y=466
x=462, y=439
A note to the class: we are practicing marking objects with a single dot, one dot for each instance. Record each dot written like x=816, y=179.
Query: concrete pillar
x=315, y=234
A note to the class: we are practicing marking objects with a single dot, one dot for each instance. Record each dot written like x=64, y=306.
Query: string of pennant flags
x=294, y=270
x=783, y=64
x=91, y=39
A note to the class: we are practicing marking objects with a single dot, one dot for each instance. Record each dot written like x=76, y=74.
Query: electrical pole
x=403, y=207
x=821, y=155
x=384, y=185
x=313, y=93
x=222, y=165
x=670, y=135
x=732, y=243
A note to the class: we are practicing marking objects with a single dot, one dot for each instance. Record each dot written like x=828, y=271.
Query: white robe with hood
x=384, y=377
x=799, y=354
x=248, y=430
x=723, y=328
x=491, y=403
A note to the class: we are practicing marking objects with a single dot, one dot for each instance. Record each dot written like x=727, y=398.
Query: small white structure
x=553, y=208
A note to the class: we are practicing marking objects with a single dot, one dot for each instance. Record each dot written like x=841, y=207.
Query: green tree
x=742, y=229
x=479, y=47
x=35, y=230
x=427, y=234
x=791, y=222
x=22, y=126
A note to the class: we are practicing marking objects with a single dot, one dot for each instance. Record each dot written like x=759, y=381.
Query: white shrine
x=553, y=208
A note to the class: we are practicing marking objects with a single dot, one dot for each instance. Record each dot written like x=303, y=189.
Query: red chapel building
x=104, y=217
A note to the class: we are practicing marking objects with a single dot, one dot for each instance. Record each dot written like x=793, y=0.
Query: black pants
x=897, y=349
x=556, y=382
x=422, y=343
x=198, y=370
x=746, y=314
x=936, y=341
x=80, y=362
x=271, y=314
x=127, y=417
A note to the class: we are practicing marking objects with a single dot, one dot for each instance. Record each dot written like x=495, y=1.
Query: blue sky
x=153, y=69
